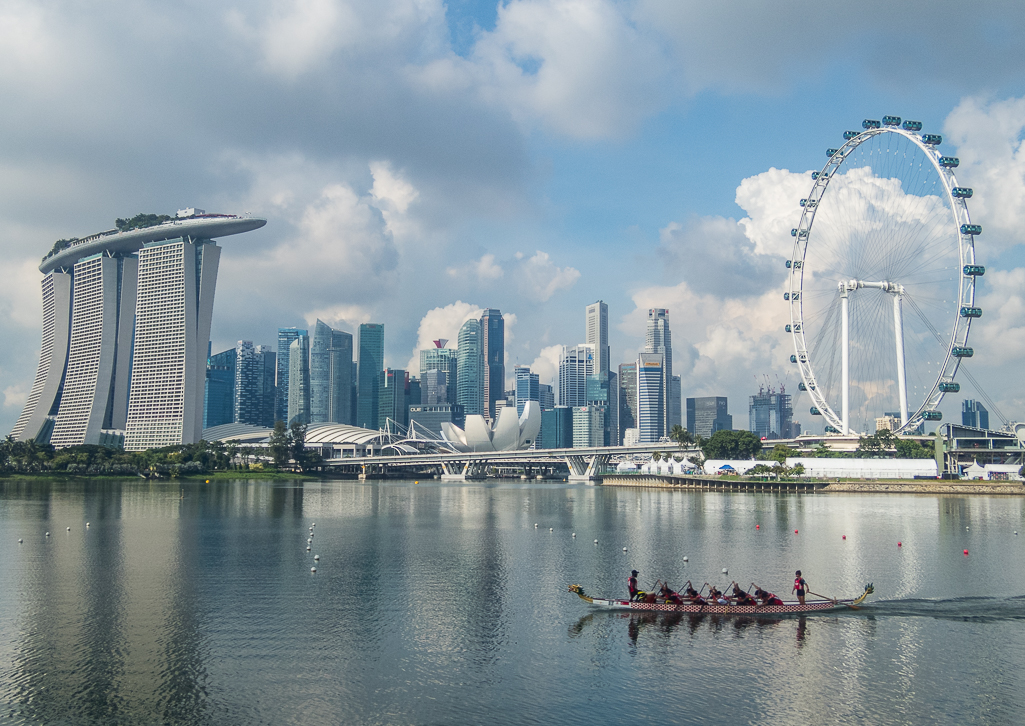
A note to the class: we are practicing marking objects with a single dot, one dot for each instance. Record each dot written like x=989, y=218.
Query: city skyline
x=532, y=157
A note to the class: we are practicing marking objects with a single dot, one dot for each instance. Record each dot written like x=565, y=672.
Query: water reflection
x=444, y=604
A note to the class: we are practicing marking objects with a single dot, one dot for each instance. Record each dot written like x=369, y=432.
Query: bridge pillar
x=586, y=471
x=454, y=471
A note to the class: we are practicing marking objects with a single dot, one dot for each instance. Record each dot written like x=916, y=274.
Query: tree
x=680, y=435
x=732, y=445
x=911, y=449
x=297, y=443
x=656, y=456
x=279, y=444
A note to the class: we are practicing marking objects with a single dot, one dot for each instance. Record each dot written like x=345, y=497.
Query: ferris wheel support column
x=845, y=359
x=898, y=328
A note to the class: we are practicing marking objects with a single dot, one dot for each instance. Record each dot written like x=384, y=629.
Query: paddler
x=666, y=593
x=766, y=597
x=693, y=595
x=741, y=597
x=715, y=596
x=800, y=587
x=631, y=584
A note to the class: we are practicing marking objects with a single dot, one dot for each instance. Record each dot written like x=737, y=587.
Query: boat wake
x=974, y=609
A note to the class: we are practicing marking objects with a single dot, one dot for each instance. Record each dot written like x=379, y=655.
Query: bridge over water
x=585, y=464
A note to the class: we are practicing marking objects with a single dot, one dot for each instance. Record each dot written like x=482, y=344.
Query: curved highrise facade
x=126, y=322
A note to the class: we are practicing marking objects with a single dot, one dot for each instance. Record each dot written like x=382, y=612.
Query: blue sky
x=419, y=160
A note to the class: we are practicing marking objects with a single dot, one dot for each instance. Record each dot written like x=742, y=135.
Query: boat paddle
x=834, y=600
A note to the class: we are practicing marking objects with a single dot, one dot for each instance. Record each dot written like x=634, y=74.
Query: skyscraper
x=219, y=396
x=444, y=359
x=576, y=363
x=330, y=375
x=659, y=340
x=528, y=387
x=174, y=309
x=371, y=363
x=492, y=326
x=771, y=414
x=675, y=417
x=254, y=384
x=708, y=414
x=597, y=330
x=286, y=336
x=650, y=401
x=546, y=397
x=974, y=414
x=268, y=370
x=433, y=387
x=299, y=380
x=393, y=385
x=627, y=398
x=147, y=289
x=470, y=367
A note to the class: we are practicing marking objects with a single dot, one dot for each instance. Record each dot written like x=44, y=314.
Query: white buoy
x=535, y=525
x=311, y=535
x=19, y=541
x=86, y=524
x=69, y=529
x=551, y=529
x=725, y=571
x=313, y=569
x=575, y=534
x=316, y=558
x=686, y=559
x=966, y=528
x=314, y=524
x=47, y=534
x=624, y=549
x=307, y=549
x=596, y=541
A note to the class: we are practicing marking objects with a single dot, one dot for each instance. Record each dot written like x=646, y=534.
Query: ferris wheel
x=882, y=280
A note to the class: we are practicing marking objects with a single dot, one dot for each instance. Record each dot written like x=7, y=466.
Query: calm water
x=441, y=603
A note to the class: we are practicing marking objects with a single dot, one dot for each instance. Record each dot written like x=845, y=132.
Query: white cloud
x=340, y=317
x=771, y=200
x=442, y=322
x=546, y=365
x=15, y=397
x=483, y=269
x=540, y=278
x=989, y=139
x=1001, y=330
x=579, y=66
x=393, y=194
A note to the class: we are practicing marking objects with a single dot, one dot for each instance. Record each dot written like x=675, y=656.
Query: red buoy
x=966, y=553
x=758, y=526
x=898, y=544
x=845, y=536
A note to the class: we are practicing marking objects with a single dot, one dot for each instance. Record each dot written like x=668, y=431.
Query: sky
x=417, y=161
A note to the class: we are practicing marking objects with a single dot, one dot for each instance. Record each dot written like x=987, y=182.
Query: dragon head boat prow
x=580, y=593
x=861, y=598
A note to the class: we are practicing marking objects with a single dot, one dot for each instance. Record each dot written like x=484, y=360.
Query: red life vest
x=631, y=584
x=800, y=584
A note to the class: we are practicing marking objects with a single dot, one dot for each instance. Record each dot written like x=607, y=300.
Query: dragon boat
x=711, y=608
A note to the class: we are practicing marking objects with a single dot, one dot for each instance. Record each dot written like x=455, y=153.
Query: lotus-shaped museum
x=508, y=434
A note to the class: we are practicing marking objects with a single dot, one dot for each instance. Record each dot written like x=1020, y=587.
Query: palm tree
x=680, y=435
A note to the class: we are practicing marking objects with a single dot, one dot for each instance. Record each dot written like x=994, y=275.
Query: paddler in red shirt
x=800, y=587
